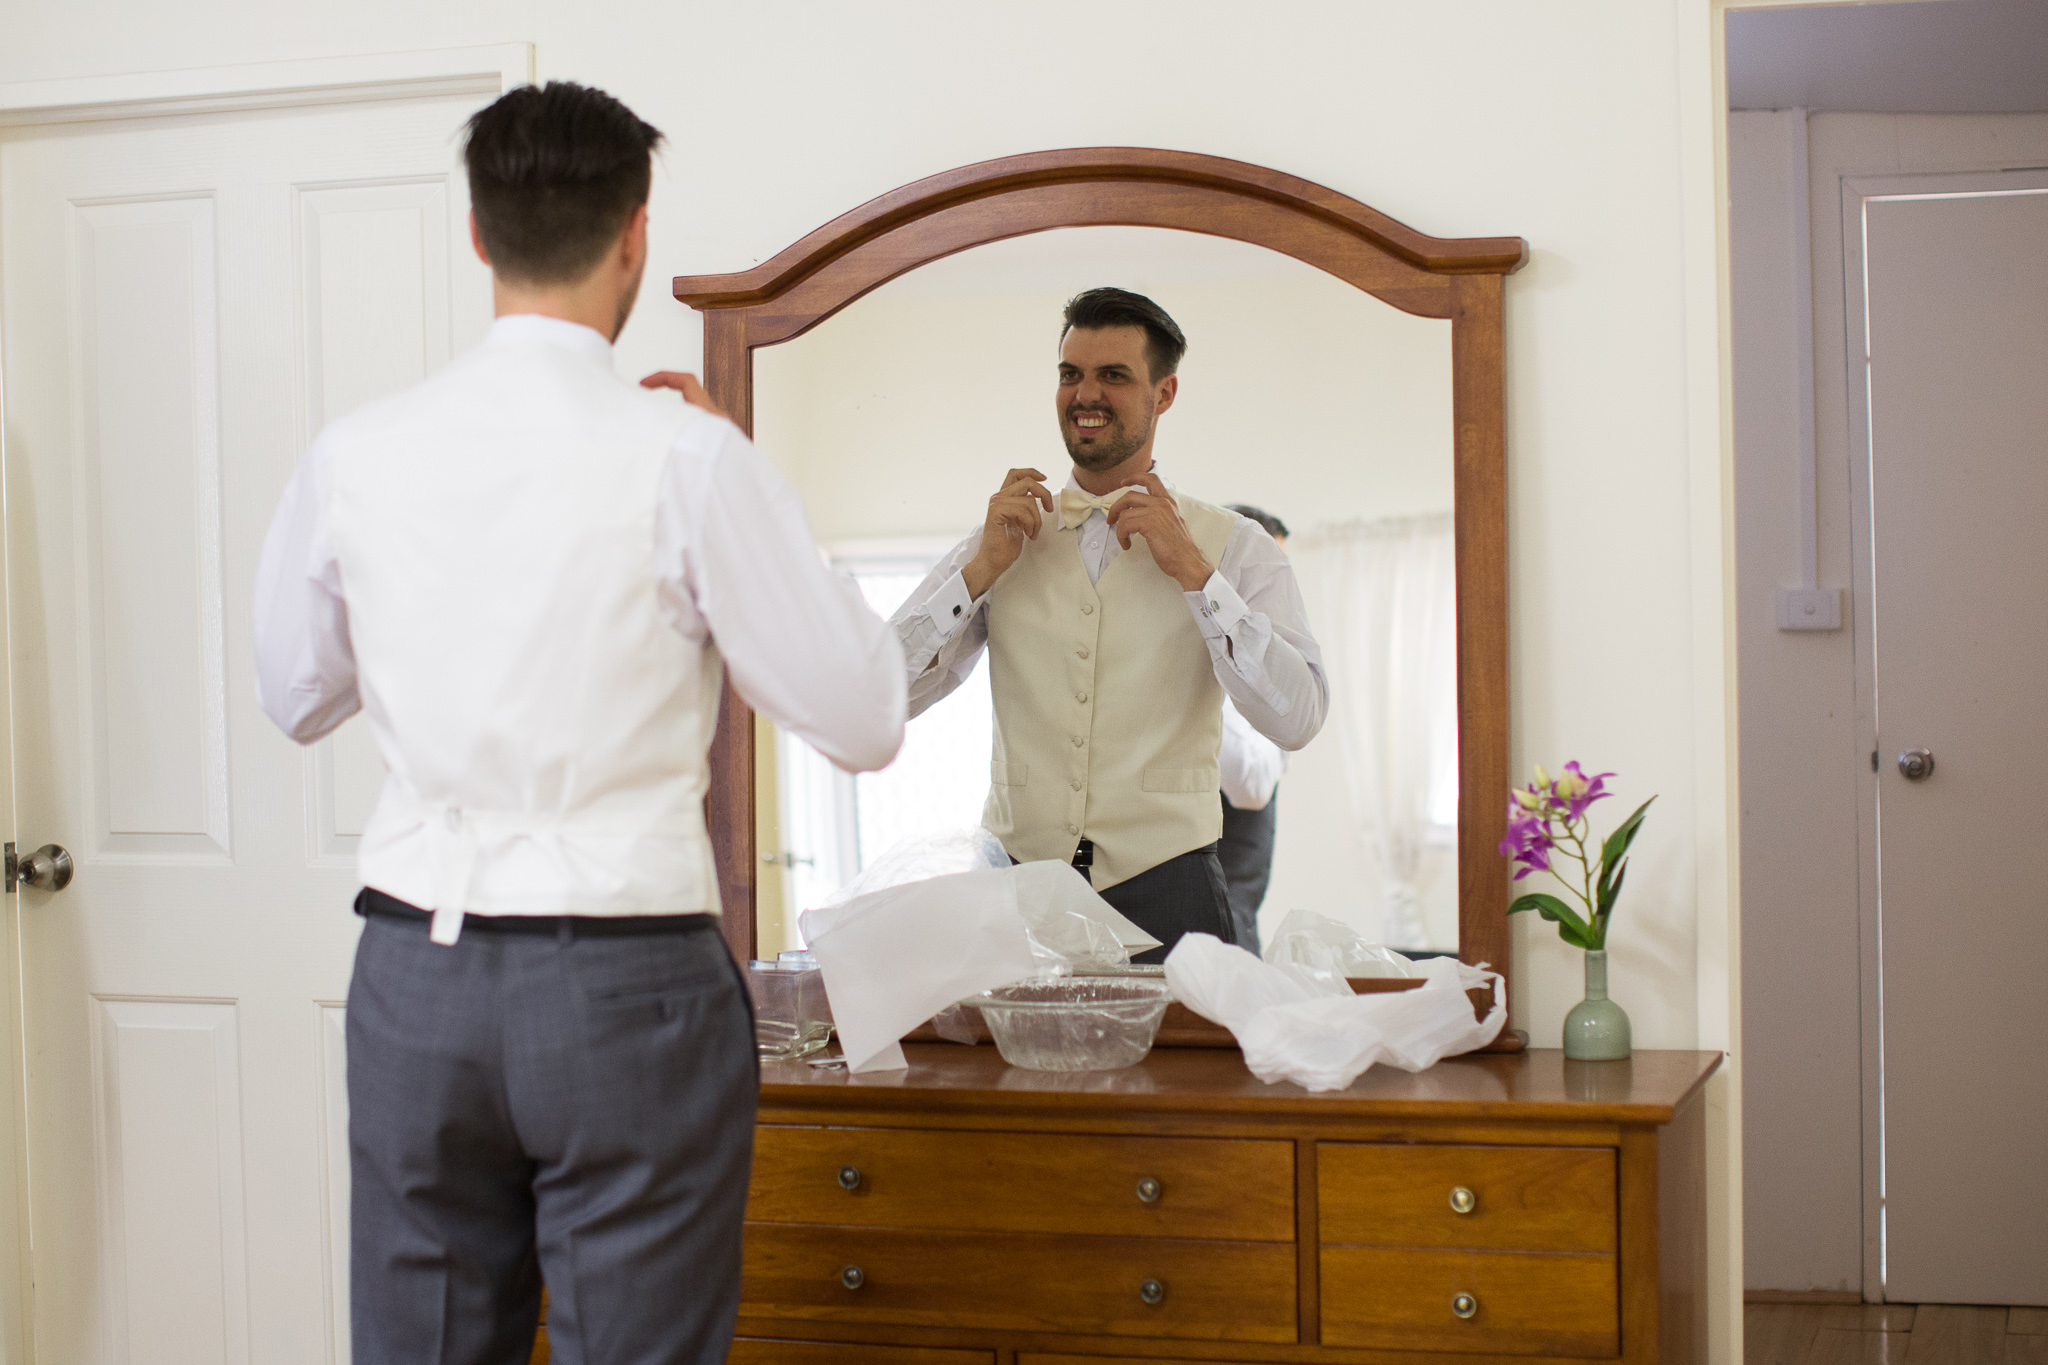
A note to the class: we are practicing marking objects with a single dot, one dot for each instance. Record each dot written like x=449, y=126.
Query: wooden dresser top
x=1537, y=1085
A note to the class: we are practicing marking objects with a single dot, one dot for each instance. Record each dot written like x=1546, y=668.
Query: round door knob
x=47, y=869
x=1149, y=1190
x=849, y=1177
x=852, y=1278
x=1463, y=1305
x=1916, y=764
x=1152, y=1291
x=1463, y=1200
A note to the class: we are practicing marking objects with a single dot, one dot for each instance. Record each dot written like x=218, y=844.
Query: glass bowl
x=1079, y=1023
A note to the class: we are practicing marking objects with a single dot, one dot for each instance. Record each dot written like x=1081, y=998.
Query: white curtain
x=1389, y=638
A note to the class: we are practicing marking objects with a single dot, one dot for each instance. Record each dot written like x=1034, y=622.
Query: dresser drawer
x=1521, y=1198
x=766, y=1351
x=1009, y=1182
x=1021, y=1282
x=1523, y=1303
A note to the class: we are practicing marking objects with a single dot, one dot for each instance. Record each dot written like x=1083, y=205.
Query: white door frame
x=1851, y=158
x=484, y=70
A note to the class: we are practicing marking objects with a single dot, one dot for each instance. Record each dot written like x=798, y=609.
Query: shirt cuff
x=1217, y=607
x=950, y=607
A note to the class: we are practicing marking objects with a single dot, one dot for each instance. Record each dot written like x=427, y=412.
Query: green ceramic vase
x=1597, y=1029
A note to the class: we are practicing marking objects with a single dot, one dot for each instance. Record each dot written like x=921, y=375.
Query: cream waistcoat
x=1108, y=715
x=544, y=725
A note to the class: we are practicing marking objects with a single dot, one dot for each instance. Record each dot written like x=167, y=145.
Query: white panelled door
x=187, y=299
x=1956, y=273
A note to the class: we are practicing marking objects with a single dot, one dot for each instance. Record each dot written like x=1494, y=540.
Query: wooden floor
x=1893, y=1334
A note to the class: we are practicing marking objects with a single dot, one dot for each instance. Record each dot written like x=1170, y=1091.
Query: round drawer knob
x=1152, y=1291
x=849, y=1177
x=1462, y=1305
x=852, y=1278
x=1463, y=1200
x=1149, y=1190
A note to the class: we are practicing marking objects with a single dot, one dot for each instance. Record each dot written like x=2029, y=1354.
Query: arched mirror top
x=1097, y=186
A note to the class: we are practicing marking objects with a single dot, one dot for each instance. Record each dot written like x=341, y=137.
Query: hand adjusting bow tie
x=1075, y=505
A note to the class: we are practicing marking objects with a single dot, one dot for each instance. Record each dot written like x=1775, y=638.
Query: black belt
x=371, y=901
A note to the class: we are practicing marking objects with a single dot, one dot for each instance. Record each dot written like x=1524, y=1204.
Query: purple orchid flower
x=1528, y=842
x=1547, y=819
x=1580, y=791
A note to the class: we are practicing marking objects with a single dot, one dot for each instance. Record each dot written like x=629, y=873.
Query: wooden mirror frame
x=1458, y=279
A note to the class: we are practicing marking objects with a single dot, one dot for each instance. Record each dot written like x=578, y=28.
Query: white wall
x=1300, y=394
x=1590, y=127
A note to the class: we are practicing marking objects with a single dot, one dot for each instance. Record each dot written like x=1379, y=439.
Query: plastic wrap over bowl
x=1080, y=1023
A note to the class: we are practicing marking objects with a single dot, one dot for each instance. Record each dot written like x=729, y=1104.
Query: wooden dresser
x=1514, y=1208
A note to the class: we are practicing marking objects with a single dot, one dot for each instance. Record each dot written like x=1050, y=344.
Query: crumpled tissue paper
x=1304, y=1025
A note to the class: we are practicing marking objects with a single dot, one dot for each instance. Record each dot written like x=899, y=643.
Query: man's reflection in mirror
x=1118, y=617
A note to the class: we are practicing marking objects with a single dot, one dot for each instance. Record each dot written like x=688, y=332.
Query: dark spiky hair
x=1107, y=307
x=554, y=173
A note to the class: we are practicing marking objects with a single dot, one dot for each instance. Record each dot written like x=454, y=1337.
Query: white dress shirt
x=527, y=570
x=1250, y=765
x=1250, y=612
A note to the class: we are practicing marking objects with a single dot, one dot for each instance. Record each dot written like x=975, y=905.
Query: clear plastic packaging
x=791, y=1018
x=1307, y=939
x=1085, y=1023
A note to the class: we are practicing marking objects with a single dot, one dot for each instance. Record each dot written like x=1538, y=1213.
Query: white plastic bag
x=1318, y=941
x=1292, y=1026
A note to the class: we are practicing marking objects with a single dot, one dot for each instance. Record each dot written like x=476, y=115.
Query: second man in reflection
x=1117, y=617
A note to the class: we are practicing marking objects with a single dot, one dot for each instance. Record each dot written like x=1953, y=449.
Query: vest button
x=1073, y=829
x=1075, y=784
x=1078, y=741
x=1081, y=653
x=1081, y=696
x=1087, y=608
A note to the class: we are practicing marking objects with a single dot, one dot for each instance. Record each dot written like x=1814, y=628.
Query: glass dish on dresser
x=1076, y=1023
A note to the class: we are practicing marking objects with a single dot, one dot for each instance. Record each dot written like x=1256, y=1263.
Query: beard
x=1112, y=445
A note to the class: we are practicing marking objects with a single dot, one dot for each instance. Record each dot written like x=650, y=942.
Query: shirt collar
x=570, y=336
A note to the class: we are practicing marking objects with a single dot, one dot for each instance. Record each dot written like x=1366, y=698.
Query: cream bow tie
x=1075, y=505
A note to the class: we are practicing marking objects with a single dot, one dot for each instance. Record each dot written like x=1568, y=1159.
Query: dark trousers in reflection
x=1246, y=851
x=1184, y=895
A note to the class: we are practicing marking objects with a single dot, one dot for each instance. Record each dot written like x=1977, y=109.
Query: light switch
x=1809, y=609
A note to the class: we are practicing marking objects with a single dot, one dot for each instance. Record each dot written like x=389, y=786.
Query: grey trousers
x=526, y=1108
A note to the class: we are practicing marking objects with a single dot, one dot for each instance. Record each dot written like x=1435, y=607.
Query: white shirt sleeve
x=735, y=559
x=1251, y=613
x=1251, y=763
x=305, y=665
x=942, y=629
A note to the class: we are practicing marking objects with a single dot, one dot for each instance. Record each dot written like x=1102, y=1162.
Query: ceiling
x=1933, y=57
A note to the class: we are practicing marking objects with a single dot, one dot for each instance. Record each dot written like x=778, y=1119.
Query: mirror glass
x=1301, y=395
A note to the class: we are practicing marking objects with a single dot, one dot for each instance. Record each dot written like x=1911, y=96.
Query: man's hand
x=1015, y=514
x=686, y=385
x=1153, y=514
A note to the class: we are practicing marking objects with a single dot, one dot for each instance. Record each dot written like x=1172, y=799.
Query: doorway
x=187, y=298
